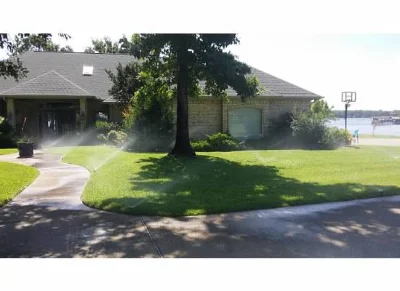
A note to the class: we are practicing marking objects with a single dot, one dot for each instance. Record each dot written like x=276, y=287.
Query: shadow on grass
x=176, y=187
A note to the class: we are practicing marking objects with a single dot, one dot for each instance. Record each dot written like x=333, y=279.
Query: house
x=66, y=92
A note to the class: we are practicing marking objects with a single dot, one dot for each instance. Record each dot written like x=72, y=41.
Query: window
x=87, y=70
x=244, y=122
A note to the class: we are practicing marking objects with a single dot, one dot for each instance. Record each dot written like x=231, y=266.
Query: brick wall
x=204, y=117
x=208, y=116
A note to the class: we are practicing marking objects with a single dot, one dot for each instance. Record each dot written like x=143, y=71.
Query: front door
x=56, y=121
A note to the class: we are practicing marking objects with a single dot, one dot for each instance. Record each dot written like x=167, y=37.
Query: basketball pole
x=347, y=97
x=346, y=106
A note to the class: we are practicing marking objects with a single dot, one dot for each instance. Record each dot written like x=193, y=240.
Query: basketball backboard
x=349, y=97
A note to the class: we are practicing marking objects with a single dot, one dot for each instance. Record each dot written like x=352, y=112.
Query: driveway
x=32, y=226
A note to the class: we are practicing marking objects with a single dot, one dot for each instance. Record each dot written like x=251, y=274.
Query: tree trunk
x=182, y=146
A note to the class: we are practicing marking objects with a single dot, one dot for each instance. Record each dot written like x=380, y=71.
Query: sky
x=325, y=64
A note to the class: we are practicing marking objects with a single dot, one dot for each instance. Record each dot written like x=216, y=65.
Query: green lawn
x=7, y=151
x=152, y=184
x=14, y=178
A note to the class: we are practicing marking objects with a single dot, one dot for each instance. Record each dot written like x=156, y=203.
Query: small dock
x=385, y=120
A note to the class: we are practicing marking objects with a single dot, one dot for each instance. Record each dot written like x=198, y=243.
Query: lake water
x=365, y=127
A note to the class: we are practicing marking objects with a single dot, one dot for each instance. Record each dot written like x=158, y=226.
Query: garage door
x=244, y=122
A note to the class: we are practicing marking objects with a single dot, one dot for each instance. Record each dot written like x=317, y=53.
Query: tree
x=126, y=82
x=12, y=66
x=149, y=115
x=41, y=42
x=186, y=59
x=67, y=49
x=321, y=109
x=106, y=46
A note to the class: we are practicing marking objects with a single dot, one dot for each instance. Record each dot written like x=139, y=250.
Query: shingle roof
x=50, y=83
x=69, y=66
x=55, y=74
x=276, y=87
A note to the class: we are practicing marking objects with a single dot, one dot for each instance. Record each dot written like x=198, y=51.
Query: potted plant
x=25, y=144
x=25, y=147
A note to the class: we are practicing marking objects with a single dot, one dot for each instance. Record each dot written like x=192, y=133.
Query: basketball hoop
x=347, y=98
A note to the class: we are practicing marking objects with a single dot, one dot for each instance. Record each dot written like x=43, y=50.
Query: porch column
x=11, y=112
x=83, y=113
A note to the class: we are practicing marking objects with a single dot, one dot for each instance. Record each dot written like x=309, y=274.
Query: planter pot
x=25, y=149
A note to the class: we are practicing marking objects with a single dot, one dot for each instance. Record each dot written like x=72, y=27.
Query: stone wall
x=208, y=116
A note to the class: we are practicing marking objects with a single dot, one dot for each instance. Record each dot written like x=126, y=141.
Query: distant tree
x=67, y=49
x=366, y=113
x=12, y=66
x=187, y=59
x=107, y=46
x=38, y=42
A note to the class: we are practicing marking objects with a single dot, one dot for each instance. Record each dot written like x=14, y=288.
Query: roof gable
x=70, y=67
x=50, y=83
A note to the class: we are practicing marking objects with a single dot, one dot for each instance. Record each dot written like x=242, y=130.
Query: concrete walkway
x=41, y=222
x=380, y=141
x=59, y=185
x=48, y=218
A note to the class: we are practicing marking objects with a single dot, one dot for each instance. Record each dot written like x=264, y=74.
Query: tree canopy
x=38, y=42
x=187, y=59
x=22, y=42
x=321, y=109
x=126, y=82
x=107, y=46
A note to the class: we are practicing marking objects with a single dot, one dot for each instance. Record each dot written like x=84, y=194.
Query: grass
x=378, y=136
x=14, y=178
x=152, y=184
x=7, y=151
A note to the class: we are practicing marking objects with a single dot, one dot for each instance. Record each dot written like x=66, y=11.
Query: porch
x=51, y=118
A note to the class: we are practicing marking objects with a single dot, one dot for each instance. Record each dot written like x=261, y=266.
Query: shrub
x=152, y=143
x=219, y=142
x=102, y=138
x=7, y=139
x=201, y=146
x=5, y=127
x=149, y=114
x=116, y=137
x=281, y=126
x=309, y=131
x=336, y=138
x=7, y=142
x=104, y=127
x=278, y=136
